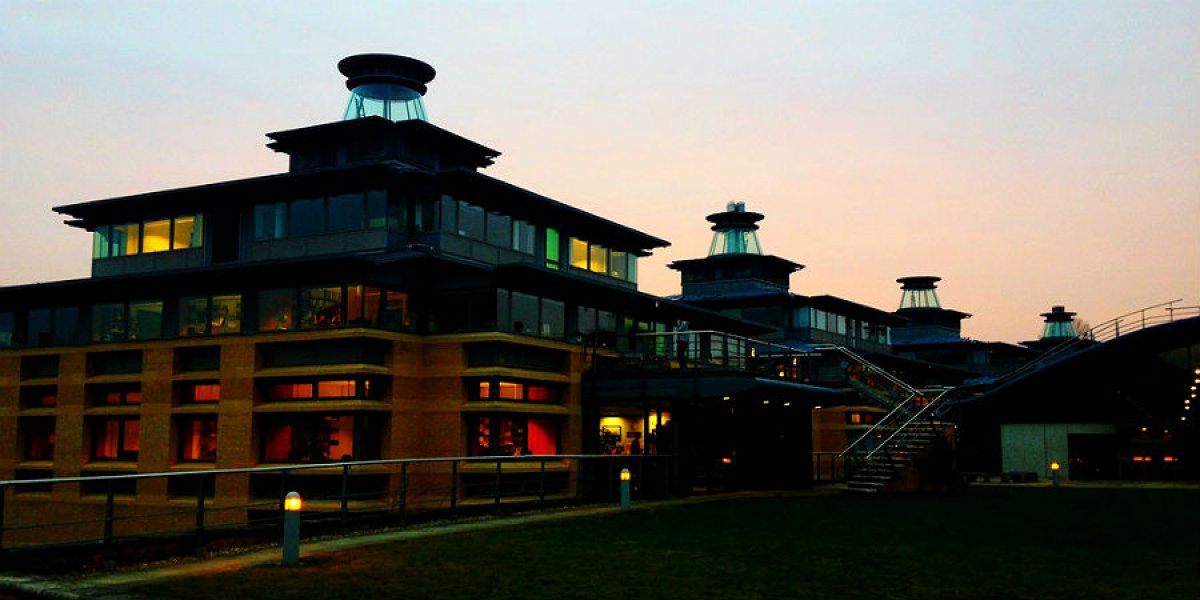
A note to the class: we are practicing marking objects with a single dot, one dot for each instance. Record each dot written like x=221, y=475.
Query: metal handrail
x=928, y=406
x=864, y=362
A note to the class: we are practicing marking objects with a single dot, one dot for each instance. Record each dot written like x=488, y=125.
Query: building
x=383, y=298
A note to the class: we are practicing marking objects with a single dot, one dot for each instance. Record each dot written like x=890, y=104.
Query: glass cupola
x=385, y=85
x=919, y=291
x=1059, y=324
x=735, y=231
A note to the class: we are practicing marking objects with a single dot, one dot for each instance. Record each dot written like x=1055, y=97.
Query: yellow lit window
x=579, y=253
x=157, y=236
x=599, y=259
x=336, y=389
x=186, y=231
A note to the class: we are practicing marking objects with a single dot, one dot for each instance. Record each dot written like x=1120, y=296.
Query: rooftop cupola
x=735, y=231
x=1059, y=324
x=919, y=291
x=385, y=85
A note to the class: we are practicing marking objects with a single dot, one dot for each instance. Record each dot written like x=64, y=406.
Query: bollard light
x=626, y=476
x=1054, y=468
x=292, y=503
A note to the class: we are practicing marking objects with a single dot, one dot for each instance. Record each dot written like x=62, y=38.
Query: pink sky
x=1031, y=154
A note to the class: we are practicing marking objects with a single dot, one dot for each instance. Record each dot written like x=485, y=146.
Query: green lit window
x=552, y=248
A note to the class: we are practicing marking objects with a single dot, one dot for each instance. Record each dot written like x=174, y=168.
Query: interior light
x=1168, y=459
x=1143, y=430
x=727, y=461
x=787, y=403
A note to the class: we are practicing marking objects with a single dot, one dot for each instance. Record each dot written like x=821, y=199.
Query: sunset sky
x=1030, y=153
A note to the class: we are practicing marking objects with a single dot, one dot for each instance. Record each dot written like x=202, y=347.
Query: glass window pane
x=193, y=316
x=276, y=310
x=270, y=221
x=66, y=325
x=395, y=311
x=542, y=435
x=554, y=319
x=100, y=242
x=185, y=235
x=470, y=220
x=599, y=259
x=448, y=208
x=157, y=236
x=226, y=314
x=346, y=212
x=198, y=439
x=342, y=388
x=290, y=391
x=620, y=265
x=552, y=248
x=38, y=327
x=145, y=320
x=485, y=390
x=579, y=253
x=108, y=323
x=307, y=217
x=125, y=239
x=499, y=230
x=524, y=313
x=524, y=236
x=372, y=301
x=378, y=212
x=321, y=306
x=632, y=272
x=511, y=391
x=8, y=325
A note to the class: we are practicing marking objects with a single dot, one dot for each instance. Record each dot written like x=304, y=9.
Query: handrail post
x=201, y=549
x=3, y=490
x=345, y=507
x=109, y=551
x=453, y=490
x=496, y=490
x=403, y=492
x=542, y=486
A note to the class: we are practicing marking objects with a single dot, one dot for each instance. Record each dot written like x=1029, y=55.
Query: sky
x=1029, y=153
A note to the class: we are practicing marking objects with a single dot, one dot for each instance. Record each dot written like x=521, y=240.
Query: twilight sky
x=1030, y=153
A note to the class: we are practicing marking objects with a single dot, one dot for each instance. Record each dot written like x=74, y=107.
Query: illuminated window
x=320, y=438
x=324, y=389
x=37, y=438
x=518, y=391
x=115, y=395
x=598, y=259
x=552, y=244
x=321, y=306
x=156, y=236
x=200, y=392
x=513, y=435
x=276, y=310
x=186, y=232
x=198, y=439
x=579, y=254
x=290, y=391
x=115, y=439
x=485, y=390
x=511, y=391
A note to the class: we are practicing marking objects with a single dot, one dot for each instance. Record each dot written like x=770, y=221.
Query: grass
x=989, y=543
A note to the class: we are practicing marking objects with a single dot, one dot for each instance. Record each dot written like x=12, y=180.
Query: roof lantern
x=735, y=231
x=1059, y=324
x=385, y=85
x=919, y=291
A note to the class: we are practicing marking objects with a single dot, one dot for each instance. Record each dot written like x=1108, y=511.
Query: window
x=145, y=320
x=579, y=254
x=346, y=212
x=158, y=235
x=395, y=313
x=306, y=217
x=499, y=230
x=200, y=392
x=513, y=435
x=276, y=310
x=470, y=220
x=554, y=318
x=37, y=438
x=358, y=388
x=321, y=307
x=524, y=313
x=37, y=327
x=598, y=261
x=320, y=438
x=40, y=396
x=494, y=389
x=198, y=439
x=620, y=265
x=215, y=315
x=116, y=395
x=115, y=439
x=552, y=248
x=524, y=237
x=270, y=221
x=8, y=325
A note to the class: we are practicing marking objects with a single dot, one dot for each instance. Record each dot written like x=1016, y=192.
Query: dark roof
x=770, y=260
x=416, y=131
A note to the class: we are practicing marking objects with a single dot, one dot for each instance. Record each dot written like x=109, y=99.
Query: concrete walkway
x=107, y=585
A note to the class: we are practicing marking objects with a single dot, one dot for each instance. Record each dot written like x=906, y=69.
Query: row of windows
x=145, y=237
x=593, y=257
x=351, y=211
x=302, y=438
x=281, y=309
x=472, y=221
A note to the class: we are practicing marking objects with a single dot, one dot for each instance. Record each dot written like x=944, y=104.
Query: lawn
x=989, y=543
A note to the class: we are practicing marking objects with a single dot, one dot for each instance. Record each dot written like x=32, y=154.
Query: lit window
x=552, y=248
x=579, y=254
x=322, y=306
x=39, y=438
x=156, y=237
x=320, y=438
x=115, y=439
x=336, y=389
x=485, y=390
x=198, y=439
x=187, y=233
x=290, y=391
x=201, y=392
x=113, y=395
x=598, y=261
x=511, y=391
